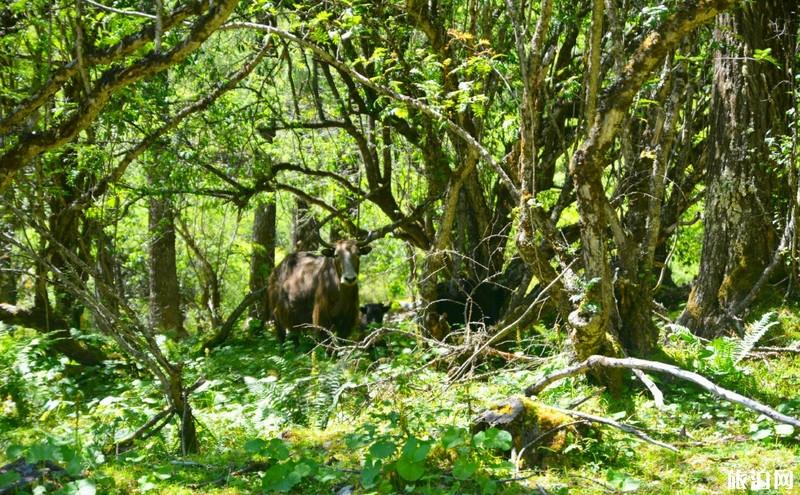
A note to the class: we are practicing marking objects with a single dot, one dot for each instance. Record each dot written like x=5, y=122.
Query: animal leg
x=280, y=332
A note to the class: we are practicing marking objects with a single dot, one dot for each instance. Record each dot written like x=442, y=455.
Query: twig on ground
x=573, y=405
x=616, y=424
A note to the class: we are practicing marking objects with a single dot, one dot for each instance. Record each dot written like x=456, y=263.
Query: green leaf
x=277, y=449
x=6, y=479
x=255, y=446
x=280, y=477
x=79, y=487
x=765, y=55
x=622, y=481
x=415, y=450
x=401, y=112
x=43, y=452
x=488, y=486
x=382, y=449
x=784, y=430
x=304, y=468
x=15, y=451
x=372, y=468
x=284, y=476
x=356, y=440
x=761, y=434
x=464, y=467
x=453, y=437
x=493, y=439
x=409, y=470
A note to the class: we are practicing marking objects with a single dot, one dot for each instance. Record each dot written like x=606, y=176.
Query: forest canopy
x=244, y=242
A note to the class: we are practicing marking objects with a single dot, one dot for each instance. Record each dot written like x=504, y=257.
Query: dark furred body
x=321, y=291
x=373, y=313
x=468, y=302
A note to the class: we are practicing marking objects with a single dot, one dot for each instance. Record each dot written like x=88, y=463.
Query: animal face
x=346, y=256
x=374, y=313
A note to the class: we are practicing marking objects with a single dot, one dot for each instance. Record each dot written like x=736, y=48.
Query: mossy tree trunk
x=165, y=299
x=751, y=98
x=262, y=261
x=595, y=325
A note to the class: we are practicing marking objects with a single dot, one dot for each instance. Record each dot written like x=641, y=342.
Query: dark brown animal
x=373, y=313
x=306, y=289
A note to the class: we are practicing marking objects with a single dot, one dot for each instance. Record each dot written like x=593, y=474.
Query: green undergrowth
x=391, y=419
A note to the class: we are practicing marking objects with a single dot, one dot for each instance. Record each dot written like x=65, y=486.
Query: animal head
x=374, y=312
x=346, y=258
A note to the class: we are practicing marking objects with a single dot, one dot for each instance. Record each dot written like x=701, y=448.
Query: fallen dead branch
x=658, y=397
x=765, y=352
x=642, y=364
x=152, y=426
x=616, y=424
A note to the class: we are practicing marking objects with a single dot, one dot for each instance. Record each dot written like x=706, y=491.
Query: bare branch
x=616, y=424
x=383, y=90
x=634, y=363
x=31, y=145
x=124, y=48
x=197, y=106
x=119, y=11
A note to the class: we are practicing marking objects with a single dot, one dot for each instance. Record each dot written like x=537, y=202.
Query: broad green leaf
x=382, y=449
x=79, y=487
x=493, y=438
x=43, y=452
x=255, y=446
x=6, y=479
x=464, y=467
x=415, y=450
x=409, y=470
x=277, y=449
x=622, y=481
x=400, y=112
x=372, y=468
x=453, y=437
x=280, y=477
x=15, y=451
x=761, y=434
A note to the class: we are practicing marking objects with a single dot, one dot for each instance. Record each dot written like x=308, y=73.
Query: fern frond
x=755, y=331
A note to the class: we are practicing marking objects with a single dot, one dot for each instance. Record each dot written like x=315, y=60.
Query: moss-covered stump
x=539, y=432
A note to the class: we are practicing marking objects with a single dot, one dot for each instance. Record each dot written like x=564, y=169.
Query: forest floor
x=391, y=420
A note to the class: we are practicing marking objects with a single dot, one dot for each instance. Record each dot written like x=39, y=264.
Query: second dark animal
x=373, y=313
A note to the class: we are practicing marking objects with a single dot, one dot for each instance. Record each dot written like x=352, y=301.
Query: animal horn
x=322, y=241
x=371, y=236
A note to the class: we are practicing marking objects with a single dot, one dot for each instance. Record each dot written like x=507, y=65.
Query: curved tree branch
x=31, y=145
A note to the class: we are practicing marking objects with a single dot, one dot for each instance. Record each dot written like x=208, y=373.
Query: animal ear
x=328, y=252
x=364, y=250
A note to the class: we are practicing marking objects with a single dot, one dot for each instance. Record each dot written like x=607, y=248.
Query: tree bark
x=262, y=261
x=750, y=102
x=165, y=301
x=8, y=277
x=305, y=228
x=594, y=325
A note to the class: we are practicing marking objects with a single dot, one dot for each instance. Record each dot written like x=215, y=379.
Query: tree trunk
x=108, y=269
x=8, y=277
x=305, y=228
x=262, y=261
x=165, y=308
x=750, y=103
